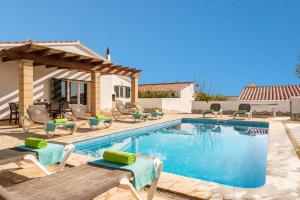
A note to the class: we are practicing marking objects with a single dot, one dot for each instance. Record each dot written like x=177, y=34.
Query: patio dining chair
x=39, y=115
x=55, y=109
x=14, y=112
x=80, y=113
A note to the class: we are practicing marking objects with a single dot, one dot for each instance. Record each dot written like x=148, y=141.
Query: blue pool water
x=227, y=152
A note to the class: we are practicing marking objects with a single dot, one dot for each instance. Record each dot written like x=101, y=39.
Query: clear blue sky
x=228, y=43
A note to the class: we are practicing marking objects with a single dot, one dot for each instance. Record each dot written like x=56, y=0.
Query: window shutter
x=117, y=91
x=56, y=93
x=127, y=92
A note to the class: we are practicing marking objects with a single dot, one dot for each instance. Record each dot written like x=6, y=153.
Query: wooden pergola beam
x=41, y=55
x=47, y=60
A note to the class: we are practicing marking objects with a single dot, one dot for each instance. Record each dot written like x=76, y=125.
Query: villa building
x=62, y=71
x=181, y=101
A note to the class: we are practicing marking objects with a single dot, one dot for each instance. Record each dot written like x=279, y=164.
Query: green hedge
x=206, y=97
x=155, y=95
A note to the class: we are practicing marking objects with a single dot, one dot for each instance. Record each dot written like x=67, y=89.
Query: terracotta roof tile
x=164, y=87
x=269, y=93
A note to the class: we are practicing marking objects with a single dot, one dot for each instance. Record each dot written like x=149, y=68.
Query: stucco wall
x=172, y=105
x=168, y=105
x=283, y=106
x=121, y=81
x=9, y=89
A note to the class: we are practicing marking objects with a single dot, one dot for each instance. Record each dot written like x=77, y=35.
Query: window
x=122, y=91
x=74, y=92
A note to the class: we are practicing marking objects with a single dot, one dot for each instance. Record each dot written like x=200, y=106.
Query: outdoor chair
x=39, y=115
x=119, y=110
x=55, y=109
x=80, y=113
x=215, y=109
x=81, y=183
x=16, y=155
x=155, y=114
x=65, y=106
x=244, y=109
x=14, y=112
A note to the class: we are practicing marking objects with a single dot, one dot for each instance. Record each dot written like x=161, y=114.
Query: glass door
x=83, y=93
x=73, y=86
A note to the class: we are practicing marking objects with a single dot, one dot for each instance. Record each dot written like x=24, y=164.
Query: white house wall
x=106, y=92
x=121, y=81
x=9, y=89
x=182, y=104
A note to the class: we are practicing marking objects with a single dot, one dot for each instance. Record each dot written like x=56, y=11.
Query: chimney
x=252, y=84
x=108, y=55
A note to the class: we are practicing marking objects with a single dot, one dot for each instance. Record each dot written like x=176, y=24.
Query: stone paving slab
x=294, y=131
x=283, y=166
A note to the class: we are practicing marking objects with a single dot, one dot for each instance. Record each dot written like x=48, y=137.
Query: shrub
x=206, y=97
x=155, y=95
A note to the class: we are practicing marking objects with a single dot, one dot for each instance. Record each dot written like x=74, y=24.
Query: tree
x=298, y=70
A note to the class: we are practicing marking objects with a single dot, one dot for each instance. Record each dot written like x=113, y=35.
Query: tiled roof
x=269, y=93
x=164, y=87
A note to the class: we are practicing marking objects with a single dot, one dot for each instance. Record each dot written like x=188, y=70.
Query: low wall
x=178, y=105
x=231, y=106
x=168, y=105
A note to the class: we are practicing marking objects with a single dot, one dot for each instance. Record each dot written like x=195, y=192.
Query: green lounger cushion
x=154, y=114
x=35, y=143
x=100, y=117
x=119, y=157
x=209, y=111
x=60, y=121
x=241, y=112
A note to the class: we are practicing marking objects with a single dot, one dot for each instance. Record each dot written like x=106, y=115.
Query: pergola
x=29, y=56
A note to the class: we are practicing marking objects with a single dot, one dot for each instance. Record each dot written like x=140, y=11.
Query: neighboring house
x=182, y=92
x=269, y=93
x=52, y=83
x=266, y=95
x=262, y=98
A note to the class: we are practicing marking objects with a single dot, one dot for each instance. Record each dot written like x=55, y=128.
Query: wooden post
x=25, y=70
x=95, y=93
x=134, y=89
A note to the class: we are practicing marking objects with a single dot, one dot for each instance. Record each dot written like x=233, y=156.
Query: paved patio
x=283, y=165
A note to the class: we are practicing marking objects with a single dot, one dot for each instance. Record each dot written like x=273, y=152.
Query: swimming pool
x=227, y=152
